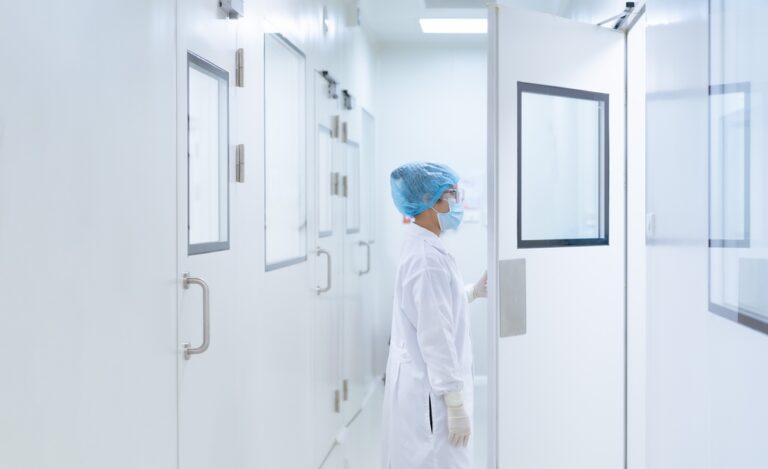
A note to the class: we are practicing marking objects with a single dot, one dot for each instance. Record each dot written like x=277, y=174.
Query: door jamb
x=493, y=248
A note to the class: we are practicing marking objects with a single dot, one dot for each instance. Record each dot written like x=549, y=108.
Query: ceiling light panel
x=455, y=3
x=454, y=25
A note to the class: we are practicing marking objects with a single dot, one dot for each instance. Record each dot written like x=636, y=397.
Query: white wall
x=432, y=107
x=87, y=202
x=88, y=234
x=287, y=333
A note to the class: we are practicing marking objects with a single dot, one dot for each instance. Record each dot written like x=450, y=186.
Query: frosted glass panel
x=562, y=154
x=208, y=156
x=285, y=152
x=353, y=188
x=324, y=183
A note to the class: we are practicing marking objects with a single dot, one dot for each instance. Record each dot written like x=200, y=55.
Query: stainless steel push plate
x=512, y=302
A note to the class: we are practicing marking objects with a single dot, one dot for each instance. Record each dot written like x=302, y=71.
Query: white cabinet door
x=557, y=203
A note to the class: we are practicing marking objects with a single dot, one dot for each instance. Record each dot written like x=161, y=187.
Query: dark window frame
x=603, y=98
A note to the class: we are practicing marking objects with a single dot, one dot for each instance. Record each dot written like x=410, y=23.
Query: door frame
x=493, y=302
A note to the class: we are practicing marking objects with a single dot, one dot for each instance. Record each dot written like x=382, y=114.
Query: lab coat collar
x=431, y=238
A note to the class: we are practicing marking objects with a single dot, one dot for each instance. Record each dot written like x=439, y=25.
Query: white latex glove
x=478, y=290
x=459, y=425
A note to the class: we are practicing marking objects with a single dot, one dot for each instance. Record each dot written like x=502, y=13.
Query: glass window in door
x=285, y=153
x=325, y=182
x=562, y=167
x=208, y=156
x=353, y=187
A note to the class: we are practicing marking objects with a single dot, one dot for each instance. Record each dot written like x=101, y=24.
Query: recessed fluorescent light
x=454, y=25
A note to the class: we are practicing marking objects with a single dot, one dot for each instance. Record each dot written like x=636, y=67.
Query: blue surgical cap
x=418, y=186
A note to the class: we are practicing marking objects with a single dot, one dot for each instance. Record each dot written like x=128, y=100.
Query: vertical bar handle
x=367, y=257
x=188, y=349
x=320, y=251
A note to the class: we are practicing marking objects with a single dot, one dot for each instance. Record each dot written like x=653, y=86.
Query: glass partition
x=208, y=156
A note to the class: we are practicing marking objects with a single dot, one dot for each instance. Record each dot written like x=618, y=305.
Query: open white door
x=557, y=240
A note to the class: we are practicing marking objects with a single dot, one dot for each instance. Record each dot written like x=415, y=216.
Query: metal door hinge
x=335, y=126
x=337, y=402
x=335, y=183
x=232, y=8
x=346, y=389
x=331, y=84
x=240, y=163
x=344, y=132
x=344, y=186
x=348, y=100
x=240, y=68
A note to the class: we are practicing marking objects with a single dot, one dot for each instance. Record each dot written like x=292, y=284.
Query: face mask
x=451, y=219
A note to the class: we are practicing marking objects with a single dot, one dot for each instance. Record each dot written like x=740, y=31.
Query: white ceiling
x=397, y=21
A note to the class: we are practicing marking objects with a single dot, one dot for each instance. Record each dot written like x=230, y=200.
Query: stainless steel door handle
x=367, y=257
x=188, y=349
x=329, y=271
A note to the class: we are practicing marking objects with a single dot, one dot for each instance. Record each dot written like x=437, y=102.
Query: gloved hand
x=459, y=424
x=478, y=290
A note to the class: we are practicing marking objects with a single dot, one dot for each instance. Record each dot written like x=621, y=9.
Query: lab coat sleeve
x=433, y=318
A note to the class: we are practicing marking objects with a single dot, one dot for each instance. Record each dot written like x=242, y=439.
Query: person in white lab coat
x=428, y=396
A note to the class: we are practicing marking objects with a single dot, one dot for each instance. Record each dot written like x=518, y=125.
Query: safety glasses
x=454, y=195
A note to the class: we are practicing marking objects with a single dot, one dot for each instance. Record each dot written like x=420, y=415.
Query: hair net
x=418, y=186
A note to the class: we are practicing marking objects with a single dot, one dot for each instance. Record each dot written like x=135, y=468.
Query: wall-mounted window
x=285, y=153
x=562, y=167
x=208, y=156
x=325, y=181
x=353, y=187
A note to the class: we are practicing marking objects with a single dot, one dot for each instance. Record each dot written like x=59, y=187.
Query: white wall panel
x=88, y=223
x=87, y=235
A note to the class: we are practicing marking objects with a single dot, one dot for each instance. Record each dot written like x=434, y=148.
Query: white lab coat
x=430, y=354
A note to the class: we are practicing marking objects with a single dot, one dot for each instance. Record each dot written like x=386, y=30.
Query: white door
x=327, y=393
x=356, y=341
x=88, y=236
x=557, y=166
x=282, y=341
x=380, y=325
x=211, y=335
x=359, y=314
